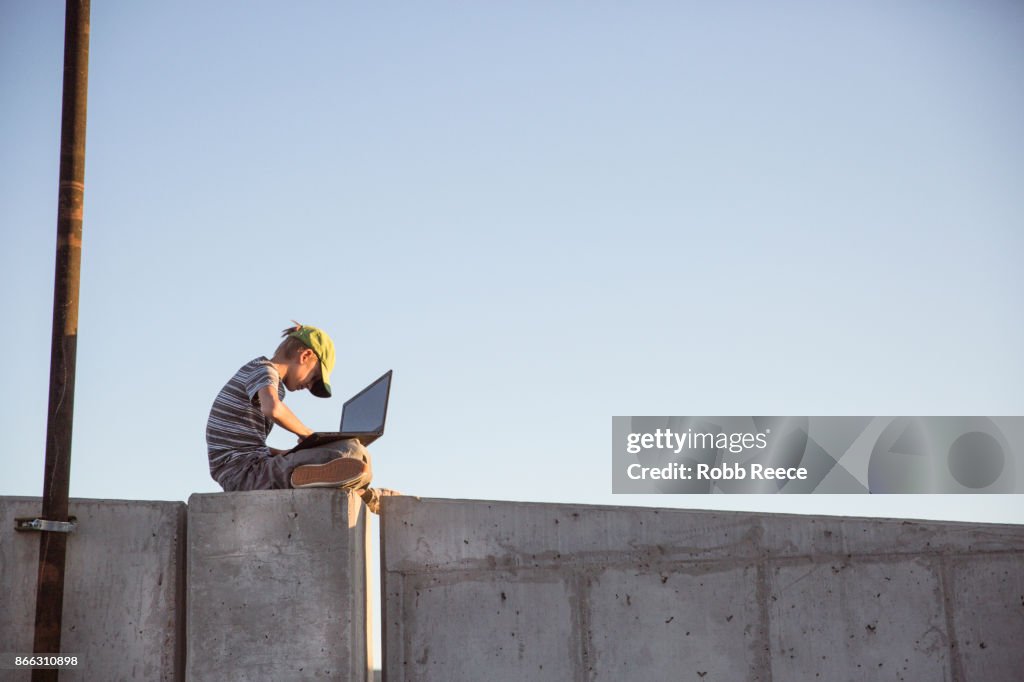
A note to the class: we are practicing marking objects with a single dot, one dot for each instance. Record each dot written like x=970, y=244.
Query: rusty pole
x=64, y=342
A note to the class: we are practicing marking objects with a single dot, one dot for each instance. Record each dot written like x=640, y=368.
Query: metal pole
x=64, y=343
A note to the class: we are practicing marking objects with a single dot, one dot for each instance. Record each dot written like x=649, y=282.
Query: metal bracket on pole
x=30, y=523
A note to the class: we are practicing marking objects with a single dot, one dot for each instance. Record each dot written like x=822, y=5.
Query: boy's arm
x=272, y=407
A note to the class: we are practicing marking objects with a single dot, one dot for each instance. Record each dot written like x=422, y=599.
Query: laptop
x=362, y=417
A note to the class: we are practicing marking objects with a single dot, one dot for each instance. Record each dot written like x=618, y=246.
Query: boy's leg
x=344, y=463
x=241, y=477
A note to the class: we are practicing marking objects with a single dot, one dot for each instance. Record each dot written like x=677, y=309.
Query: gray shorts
x=273, y=472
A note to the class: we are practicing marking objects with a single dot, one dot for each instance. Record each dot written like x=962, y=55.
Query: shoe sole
x=337, y=473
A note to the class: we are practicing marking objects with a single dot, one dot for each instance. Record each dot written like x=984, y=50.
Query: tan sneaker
x=343, y=472
x=372, y=497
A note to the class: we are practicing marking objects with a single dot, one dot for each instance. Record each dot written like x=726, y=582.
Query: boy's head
x=310, y=354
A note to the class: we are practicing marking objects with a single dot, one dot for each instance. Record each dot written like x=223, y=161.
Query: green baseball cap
x=319, y=342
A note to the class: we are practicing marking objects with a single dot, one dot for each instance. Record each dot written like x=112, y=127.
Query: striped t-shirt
x=236, y=430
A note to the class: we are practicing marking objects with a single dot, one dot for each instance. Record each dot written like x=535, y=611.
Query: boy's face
x=303, y=371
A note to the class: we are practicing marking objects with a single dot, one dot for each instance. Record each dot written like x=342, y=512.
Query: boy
x=251, y=402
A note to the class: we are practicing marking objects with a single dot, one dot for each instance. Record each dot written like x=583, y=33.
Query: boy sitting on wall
x=251, y=402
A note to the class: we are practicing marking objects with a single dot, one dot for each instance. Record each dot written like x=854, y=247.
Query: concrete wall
x=277, y=586
x=515, y=591
x=123, y=589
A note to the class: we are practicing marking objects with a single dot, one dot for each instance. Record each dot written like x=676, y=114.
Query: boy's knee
x=359, y=450
x=353, y=448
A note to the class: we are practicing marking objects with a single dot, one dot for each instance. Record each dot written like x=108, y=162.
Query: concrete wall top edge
x=290, y=492
x=441, y=534
x=92, y=500
x=200, y=501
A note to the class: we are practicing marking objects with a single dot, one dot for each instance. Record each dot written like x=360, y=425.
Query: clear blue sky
x=540, y=214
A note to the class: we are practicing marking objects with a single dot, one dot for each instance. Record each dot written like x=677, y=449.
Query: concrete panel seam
x=392, y=639
x=763, y=655
x=580, y=583
x=387, y=605
x=367, y=601
x=421, y=581
x=880, y=558
x=948, y=588
x=602, y=559
x=626, y=560
x=181, y=576
x=409, y=600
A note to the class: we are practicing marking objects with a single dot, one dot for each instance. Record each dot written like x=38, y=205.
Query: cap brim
x=321, y=389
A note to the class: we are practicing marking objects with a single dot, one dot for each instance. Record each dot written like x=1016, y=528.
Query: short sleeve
x=261, y=376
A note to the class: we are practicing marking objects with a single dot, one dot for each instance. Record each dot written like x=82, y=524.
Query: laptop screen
x=365, y=413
